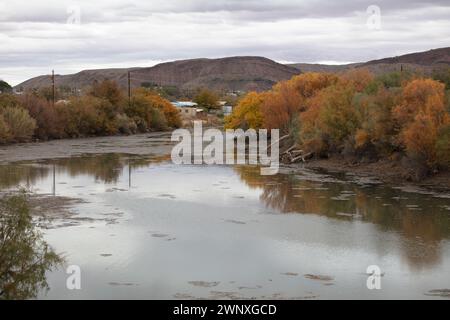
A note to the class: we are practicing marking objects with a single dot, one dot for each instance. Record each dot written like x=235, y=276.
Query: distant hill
x=426, y=62
x=236, y=73
x=230, y=74
x=315, y=67
x=425, y=58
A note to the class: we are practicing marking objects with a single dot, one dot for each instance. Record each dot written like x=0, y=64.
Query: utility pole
x=129, y=88
x=53, y=88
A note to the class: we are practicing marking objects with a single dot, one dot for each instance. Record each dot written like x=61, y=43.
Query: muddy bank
x=384, y=170
x=51, y=211
x=157, y=143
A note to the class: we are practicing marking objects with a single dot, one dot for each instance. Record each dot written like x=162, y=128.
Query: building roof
x=184, y=104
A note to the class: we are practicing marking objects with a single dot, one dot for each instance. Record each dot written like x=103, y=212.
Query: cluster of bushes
x=207, y=99
x=103, y=110
x=16, y=125
x=356, y=114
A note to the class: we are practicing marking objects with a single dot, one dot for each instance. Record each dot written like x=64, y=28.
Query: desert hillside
x=236, y=73
x=426, y=61
x=233, y=73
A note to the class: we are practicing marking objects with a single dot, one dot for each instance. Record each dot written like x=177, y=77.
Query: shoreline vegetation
x=395, y=126
x=387, y=171
x=103, y=110
x=400, y=121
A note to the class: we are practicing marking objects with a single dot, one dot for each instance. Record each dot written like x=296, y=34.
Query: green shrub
x=4, y=130
x=125, y=124
x=21, y=125
x=443, y=147
x=158, y=120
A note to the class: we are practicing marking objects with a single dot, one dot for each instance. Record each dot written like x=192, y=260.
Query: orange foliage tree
x=288, y=98
x=50, y=124
x=151, y=111
x=420, y=115
x=359, y=78
x=356, y=114
x=280, y=107
x=330, y=119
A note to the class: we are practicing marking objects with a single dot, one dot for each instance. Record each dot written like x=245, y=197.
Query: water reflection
x=105, y=168
x=422, y=220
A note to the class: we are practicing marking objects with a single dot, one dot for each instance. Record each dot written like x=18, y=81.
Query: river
x=144, y=228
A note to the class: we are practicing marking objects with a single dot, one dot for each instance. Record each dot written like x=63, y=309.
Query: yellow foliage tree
x=330, y=119
x=153, y=109
x=247, y=114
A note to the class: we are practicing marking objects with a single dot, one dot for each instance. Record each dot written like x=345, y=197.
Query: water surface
x=148, y=229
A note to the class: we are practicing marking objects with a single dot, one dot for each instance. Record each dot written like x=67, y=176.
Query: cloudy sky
x=69, y=36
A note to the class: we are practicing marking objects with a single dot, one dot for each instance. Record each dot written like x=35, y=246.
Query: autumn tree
x=420, y=115
x=207, y=99
x=170, y=112
x=336, y=116
x=4, y=130
x=8, y=100
x=49, y=124
x=358, y=78
x=288, y=98
x=377, y=129
x=442, y=75
x=443, y=146
x=16, y=124
x=108, y=90
x=247, y=114
x=86, y=116
x=356, y=114
x=308, y=84
x=151, y=111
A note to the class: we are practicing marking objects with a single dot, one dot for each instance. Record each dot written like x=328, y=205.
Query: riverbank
x=155, y=143
x=387, y=171
x=160, y=144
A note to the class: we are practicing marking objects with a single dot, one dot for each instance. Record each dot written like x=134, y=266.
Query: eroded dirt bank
x=384, y=170
x=157, y=143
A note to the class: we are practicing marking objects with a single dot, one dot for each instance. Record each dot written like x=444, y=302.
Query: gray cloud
x=35, y=36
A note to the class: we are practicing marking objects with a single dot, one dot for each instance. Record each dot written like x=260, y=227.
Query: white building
x=187, y=108
x=227, y=110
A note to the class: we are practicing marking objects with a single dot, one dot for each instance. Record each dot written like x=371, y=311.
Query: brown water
x=148, y=229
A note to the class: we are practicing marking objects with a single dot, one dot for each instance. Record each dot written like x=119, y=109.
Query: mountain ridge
x=423, y=61
x=238, y=73
x=231, y=74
